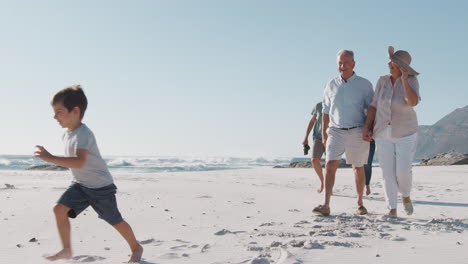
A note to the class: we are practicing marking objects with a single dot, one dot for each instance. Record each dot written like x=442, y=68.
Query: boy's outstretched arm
x=68, y=162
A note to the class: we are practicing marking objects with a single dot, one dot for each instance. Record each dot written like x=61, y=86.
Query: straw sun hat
x=402, y=59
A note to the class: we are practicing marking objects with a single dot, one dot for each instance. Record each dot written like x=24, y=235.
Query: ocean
x=157, y=164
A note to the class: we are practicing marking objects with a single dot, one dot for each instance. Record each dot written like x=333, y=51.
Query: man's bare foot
x=136, y=254
x=65, y=253
x=368, y=191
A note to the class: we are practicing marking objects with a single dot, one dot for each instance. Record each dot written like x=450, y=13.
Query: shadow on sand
x=414, y=201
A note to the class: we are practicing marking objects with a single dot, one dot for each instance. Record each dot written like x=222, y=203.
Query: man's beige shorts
x=349, y=142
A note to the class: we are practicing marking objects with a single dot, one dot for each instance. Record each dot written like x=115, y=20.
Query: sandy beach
x=241, y=216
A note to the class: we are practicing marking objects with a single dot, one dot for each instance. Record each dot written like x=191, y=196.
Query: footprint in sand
x=205, y=248
x=170, y=256
x=205, y=197
x=260, y=260
x=384, y=235
x=181, y=247
x=222, y=232
x=342, y=244
x=255, y=248
x=225, y=231
x=352, y=234
x=147, y=241
x=181, y=241
x=278, y=255
x=300, y=224
x=270, y=224
x=296, y=243
x=309, y=244
x=276, y=244
x=398, y=238
x=87, y=258
x=151, y=241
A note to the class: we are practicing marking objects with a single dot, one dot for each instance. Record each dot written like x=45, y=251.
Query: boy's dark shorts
x=317, y=149
x=103, y=201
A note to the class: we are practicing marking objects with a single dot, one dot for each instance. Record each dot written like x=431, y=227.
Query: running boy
x=92, y=182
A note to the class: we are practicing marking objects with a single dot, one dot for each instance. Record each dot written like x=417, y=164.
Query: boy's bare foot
x=65, y=253
x=320, y=190
x=368, y=191
x=136, y=254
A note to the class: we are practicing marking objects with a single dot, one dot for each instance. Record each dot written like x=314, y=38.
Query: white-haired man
x=346, y=99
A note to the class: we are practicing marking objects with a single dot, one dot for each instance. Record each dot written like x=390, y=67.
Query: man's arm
x=68, y=162
x=369, y=126
x=309, y=128
x=325, y=122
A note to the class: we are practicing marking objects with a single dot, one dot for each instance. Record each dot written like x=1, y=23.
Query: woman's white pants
x=395, y=157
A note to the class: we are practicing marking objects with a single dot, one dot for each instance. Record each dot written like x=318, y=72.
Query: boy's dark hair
x=70, y=97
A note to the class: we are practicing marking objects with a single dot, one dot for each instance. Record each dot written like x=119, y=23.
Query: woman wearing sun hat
x=392, y=123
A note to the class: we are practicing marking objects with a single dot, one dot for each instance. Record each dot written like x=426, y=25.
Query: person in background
x=315, y=125
x=368, y=167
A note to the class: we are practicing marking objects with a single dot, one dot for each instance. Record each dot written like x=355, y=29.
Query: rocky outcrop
x=308, y=164
x=452, y=158
x=48, y=167
x=449, y=134
x=300, y=164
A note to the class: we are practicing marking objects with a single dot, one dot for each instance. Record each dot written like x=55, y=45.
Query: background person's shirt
x=317, y=129
x=392, y=109
x=94, y=173
x=346, y=102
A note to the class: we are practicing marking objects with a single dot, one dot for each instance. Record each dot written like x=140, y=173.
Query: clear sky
x=212, y=78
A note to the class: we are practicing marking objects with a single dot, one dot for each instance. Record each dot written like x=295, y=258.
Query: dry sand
x=241, y=216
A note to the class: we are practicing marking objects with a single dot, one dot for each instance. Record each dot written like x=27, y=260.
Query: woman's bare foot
x=65, y=253
x=392, y=214
x=408, y=205
x=136, y=254
x=368, y=191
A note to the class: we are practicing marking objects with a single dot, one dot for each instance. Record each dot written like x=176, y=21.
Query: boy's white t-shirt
x=94, y=173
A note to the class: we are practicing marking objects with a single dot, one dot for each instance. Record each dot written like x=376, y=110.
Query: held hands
x=367, y=134
x=43, y=154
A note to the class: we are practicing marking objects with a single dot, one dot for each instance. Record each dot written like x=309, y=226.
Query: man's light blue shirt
x=346, y=102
